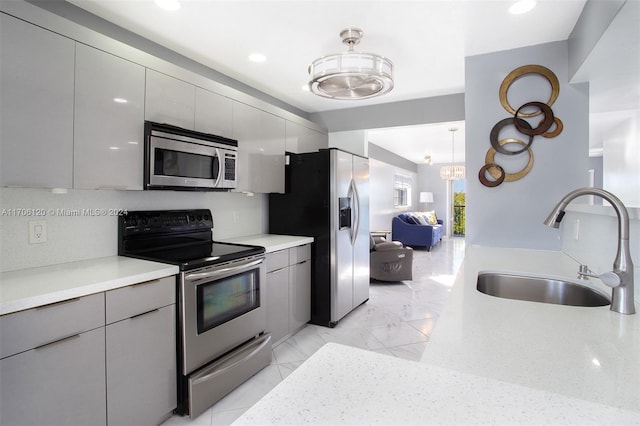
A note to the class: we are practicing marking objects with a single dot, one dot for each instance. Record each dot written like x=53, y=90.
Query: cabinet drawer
x=126, y=302
x=299, y=254
x=28, y=329
x=277, y=260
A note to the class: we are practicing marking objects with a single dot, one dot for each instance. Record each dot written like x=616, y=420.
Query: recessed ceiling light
x=120, y=100
x=114, y=148
x=257, y=57
x=170, y=5
x=522, y=6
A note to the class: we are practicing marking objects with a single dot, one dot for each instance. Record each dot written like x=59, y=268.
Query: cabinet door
x=213, y=113
x=261, y=142
x=299, y=295
x=278, y=303
x=300, y=139
x=269, y=173
x=246, y=129
x=141, y=368
x=169, y=100
x=36, y=112
x=109, y=121
x=62, y=383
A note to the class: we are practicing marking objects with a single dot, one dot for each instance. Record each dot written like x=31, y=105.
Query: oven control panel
x=152, y=222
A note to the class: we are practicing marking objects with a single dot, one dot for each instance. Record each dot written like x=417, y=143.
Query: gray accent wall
x=511, y=215
x=389, y=157
x=437, y=109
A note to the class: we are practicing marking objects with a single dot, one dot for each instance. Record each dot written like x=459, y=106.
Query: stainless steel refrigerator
x=327, y=197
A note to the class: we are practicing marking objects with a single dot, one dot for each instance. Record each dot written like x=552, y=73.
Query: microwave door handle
x=220, y=167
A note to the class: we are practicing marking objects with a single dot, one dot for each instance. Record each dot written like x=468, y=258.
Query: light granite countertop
x=342, y=385
x=271, y=242
x=33, y=287
x=490, y=360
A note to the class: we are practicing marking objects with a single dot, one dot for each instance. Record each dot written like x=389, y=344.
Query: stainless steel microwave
x=176, y=158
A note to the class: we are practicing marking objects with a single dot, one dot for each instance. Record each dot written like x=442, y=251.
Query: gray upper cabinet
x=213, y=113
x=36, y=112
x=300, y=139
x=109, y=121
x=169, y=100
x=261, y=144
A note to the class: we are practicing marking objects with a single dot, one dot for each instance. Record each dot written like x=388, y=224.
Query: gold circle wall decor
x=522, y=71
x=493, y=169
x=489, y=159
x=555, y=132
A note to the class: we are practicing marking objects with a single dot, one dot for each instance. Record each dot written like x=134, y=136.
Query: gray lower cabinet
x=61, y=383
x=278, y=303
x=288, y=291
x=60, y=364
x=52, y=366
x=141, y=353
x=299, y=294
x=141, y=362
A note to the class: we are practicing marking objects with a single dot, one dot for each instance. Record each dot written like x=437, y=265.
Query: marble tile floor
x=397, y=321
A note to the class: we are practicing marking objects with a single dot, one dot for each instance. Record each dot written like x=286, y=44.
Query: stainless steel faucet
x=622, y=292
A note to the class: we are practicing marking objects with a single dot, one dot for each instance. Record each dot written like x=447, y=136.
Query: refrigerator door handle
x=356, y=212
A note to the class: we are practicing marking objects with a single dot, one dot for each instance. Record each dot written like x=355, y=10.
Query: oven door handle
x=220, y=167
x=197, y=276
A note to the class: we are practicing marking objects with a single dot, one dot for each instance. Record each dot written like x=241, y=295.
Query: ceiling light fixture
x=351, y=75
x=452, y=172
x=257, y=57
x=170, y=5
x=522, y=6
x=428, y=160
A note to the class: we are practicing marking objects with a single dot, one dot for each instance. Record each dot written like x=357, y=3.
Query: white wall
x=511, y=215
x=621, y=159
x=429, y=180
x=72, y=238
x=381, y=209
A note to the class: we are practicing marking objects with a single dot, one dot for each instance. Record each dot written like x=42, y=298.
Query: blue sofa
x=407, y=229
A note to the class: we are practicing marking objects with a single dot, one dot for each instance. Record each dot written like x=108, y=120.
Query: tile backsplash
x=82, y=224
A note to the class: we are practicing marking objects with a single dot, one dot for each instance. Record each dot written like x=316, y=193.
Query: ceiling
x=426, y=40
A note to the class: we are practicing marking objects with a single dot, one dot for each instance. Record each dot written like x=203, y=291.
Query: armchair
x=390, y=260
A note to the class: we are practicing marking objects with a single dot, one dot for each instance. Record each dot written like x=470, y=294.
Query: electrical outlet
x=37, y=231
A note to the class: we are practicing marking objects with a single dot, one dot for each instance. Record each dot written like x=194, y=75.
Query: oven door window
x=185, y=164
x=227, y=298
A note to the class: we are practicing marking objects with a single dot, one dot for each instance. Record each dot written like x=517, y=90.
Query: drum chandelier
x=351, y=75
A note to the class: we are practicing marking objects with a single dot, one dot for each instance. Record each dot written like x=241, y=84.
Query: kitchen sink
x=537, y=289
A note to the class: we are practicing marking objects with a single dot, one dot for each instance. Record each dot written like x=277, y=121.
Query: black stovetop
x=178, y=237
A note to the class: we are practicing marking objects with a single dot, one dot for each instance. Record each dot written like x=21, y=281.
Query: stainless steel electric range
x=221, y=316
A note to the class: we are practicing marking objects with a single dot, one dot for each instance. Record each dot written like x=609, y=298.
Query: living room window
x=402, y=191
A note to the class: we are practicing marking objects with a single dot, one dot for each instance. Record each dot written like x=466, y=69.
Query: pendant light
x=452, y=172
x=351, y=75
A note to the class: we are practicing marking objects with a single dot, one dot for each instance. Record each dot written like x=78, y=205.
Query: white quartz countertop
x=29, y=288
x=489, y=360
x=345, y=385
x=590, y=353
x=271, y=242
